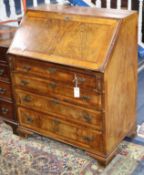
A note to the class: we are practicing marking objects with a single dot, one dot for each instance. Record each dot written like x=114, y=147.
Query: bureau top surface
x=6, y=35
x=74, y=36
x=85, y=11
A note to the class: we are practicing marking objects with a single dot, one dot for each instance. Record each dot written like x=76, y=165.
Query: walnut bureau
x=74, y=74
x=7, y=110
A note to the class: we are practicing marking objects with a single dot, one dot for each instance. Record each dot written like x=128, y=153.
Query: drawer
x=3, y=55
x=5, y=90
x=89, y=99
x=6, y=110
x=63, y=74
x=60, y=109
x=68, y=131
x=4, y=72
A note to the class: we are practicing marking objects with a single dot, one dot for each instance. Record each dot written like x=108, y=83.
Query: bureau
x=74, y=74
x=7, y=112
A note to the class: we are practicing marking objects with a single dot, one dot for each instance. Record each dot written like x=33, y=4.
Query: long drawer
x=6, y=110
x=51, y=125
x=3, y=56
x=5, y=90
x=61, y=109
x=89, y=99
x=83, y=79
x=4, y=73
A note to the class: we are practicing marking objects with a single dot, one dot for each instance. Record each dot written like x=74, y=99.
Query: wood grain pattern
x=6, y=110
x=3, y=57
x=61, y=109
x=58, y=73
x=85, y=12
x=74, y=47
x=5, y=90
x=59, y=90
x=121, y=86
x=4, y=73
x=98, y=55
x=61, y=129
x=7, y=107
x=6, y=35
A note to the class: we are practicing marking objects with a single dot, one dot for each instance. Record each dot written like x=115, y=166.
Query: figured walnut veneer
x=57, y=46
x=7, y=110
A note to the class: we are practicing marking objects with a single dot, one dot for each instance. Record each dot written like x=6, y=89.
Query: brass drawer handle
x=86, y=98
x=52, y=70
x=67, y=18
x=4, y=110
x=87, y=118
x=27, y=98
x=88, y=138
x=1, y=71
x=24, y=82
x=55, y=101
x=80, y=79
x=52, y=85
x=55, y=122
x=2, y=90
x=27, y=68
x=29, y=120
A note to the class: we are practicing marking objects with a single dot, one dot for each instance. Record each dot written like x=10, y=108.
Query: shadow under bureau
x=74, y=74
x=7, y=110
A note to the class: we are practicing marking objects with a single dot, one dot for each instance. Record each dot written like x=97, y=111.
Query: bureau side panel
x=121, y=85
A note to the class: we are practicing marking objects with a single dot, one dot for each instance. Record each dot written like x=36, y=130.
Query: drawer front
x=63, y=110
x=59, y=73
x=4, y=73
x=47, y=124
x=88, y=99
x=5, y=90
x=6, y=110
x=3, y=56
